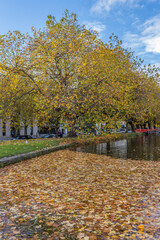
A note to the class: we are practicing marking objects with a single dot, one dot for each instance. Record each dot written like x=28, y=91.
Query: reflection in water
x=141, y=147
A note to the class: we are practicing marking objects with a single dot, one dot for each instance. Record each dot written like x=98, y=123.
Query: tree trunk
x=149, y=125
x=132, y=126
x=72, y=129
x=25, y=130
x=127, y=127
x=154, y=124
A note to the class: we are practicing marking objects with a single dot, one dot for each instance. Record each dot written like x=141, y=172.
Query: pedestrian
x=59, y=133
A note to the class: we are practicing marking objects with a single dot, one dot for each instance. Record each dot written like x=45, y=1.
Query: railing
x=152, y=130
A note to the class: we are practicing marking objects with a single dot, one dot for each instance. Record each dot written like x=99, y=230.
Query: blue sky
x=135, y=22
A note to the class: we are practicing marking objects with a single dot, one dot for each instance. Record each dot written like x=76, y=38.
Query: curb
x=21, y=157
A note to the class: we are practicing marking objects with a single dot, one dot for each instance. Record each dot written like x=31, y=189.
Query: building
x=6, y=132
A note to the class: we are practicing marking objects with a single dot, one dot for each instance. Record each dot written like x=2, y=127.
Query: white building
x=6, y=132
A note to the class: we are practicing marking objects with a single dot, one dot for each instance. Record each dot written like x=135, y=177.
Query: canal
x=138, y=148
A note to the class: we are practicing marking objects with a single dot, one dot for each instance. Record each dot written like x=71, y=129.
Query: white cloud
x=152, y=44
x=96, y=26
x=132, y=40
x=151, y=26
x=151, y=34
x=149, y=37
x=106, y=5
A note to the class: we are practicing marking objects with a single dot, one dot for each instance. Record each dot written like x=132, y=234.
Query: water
x=139, y=148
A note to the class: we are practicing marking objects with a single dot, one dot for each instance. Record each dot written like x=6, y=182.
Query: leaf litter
x=73, y=195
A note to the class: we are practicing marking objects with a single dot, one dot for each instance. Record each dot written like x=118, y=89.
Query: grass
x=11, y=148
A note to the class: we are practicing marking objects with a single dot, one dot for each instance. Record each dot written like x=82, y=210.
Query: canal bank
x=70, y=142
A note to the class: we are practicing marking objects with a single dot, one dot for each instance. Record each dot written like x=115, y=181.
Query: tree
x=66, y=72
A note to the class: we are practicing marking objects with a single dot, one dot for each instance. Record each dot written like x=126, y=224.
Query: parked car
x=23, y=137
x=122, y=130
x=48, y=136
x=129, y=131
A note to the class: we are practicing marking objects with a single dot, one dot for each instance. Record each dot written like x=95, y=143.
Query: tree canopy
x=66, y=72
